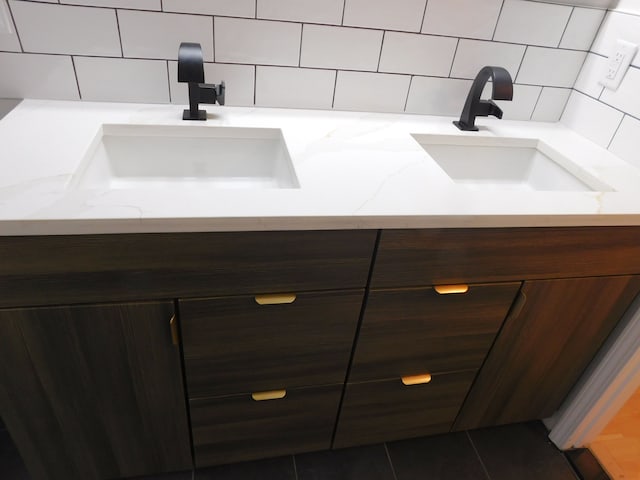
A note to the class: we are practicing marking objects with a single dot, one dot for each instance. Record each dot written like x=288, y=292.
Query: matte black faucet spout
x=473, y=107
x=191, y=71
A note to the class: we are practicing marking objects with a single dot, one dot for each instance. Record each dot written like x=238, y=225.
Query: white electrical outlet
x=618, y=63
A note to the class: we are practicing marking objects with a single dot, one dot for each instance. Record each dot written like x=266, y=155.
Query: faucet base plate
x=202, y=115
x=463, y=126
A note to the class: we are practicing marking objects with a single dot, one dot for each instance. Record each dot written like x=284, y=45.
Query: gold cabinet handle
x=275, y=299
x=271, y=395
x=448, y=289
x=417, y=379
x=173, y=324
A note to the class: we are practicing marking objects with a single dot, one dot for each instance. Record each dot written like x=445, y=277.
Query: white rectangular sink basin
x=161, y=156
x=501, y=163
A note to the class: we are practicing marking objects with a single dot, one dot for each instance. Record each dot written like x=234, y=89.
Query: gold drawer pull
x=417, y=379
x=447, y=289
x=271, y=395
x=175, y=336
x=275, y=299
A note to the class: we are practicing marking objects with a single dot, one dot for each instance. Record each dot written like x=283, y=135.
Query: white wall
x=609, y=118
x=372, y=55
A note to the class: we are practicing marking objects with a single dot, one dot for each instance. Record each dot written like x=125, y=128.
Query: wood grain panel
x=93, y=392
x=541, y=353
x=55, y=270
x=233, y=345
x=237, y=428
x=408, y=331
x=375, y=412
x=467, y=255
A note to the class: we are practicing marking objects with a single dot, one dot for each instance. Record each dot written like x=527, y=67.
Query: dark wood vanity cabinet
x=445, y=329
x=94, y=392
x=578, y=282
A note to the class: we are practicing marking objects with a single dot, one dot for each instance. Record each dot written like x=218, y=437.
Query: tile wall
x=610, y=118
x=416, y=56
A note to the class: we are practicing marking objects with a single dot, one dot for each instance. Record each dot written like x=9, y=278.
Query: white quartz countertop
x=355, y=170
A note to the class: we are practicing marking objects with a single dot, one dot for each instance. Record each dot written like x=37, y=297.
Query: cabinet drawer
x=235, y=345
x=88, y=268
x=389, y=410
x=475, y=255
x=405, y=331
x=238, y=428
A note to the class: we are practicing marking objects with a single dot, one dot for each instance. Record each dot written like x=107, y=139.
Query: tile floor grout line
x=484, y=468
x=393, y=470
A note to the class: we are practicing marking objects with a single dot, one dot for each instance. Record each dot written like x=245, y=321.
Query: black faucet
x=473, y=107
x=191, y=70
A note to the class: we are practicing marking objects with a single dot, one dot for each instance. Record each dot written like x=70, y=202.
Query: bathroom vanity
x=371, y=297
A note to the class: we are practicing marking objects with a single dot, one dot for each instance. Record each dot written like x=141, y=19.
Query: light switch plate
x=618, y=64
x=6, y=27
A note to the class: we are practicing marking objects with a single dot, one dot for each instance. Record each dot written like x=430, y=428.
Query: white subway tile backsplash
x=158, y=35
x=590, y=75
x=405, y=15
x=437, y=96
x=582, y=28
x=340, y=47
x=462, y=18
x=472, y=55
x=294, y=87
x=8, y=38
x=37, y=76
x=310, y=11
x=122, y=80
x=257, y=41
x=625, y=141
x=285, y=53
x=551, y=104
x=551, y=67
x=48, y=28
x=532, y=23
x=591, y=118
x=627, y=96
x=239, y=82
x=372, y=92
x=617, y=25
x=418, y=54
x=524, y=101
x=230, y=8
x=134, y=4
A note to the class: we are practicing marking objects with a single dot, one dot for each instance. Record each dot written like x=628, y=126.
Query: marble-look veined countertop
x=356, y=170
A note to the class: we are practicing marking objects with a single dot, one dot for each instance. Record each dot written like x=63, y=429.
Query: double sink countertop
x=355, y=170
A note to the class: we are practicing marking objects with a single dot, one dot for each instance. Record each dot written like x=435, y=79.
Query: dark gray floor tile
x=521, y=451
x=369, y=462
x=167, y=476
x=280, y=468
x=11, y=465
x=442, y=457
x=586, y=465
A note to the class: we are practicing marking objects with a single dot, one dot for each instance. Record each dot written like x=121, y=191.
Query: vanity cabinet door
x=554, y=330
x=93, y=392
